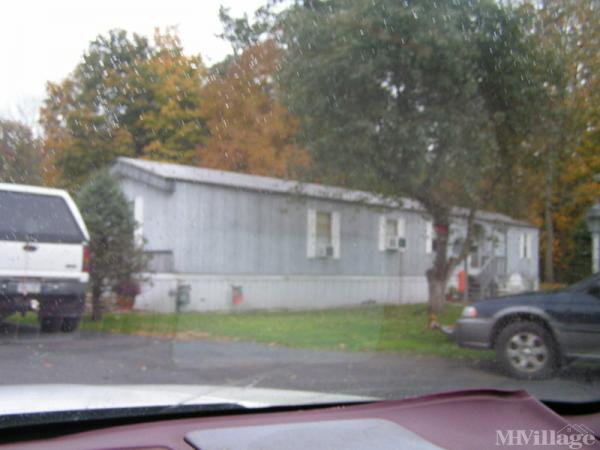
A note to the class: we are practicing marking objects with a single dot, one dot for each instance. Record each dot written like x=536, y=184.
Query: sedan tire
x=526, y=350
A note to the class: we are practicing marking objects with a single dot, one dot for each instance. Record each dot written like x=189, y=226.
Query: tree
x=173, y=125
x=115, y=256
x=556, y=135
x=561, y=185
x=430, y=100
x=126, y=97
x=20, y=154
x=579, y=255
x=250, y=130
x=575, y=192
x=241, y=33
x=572, y=29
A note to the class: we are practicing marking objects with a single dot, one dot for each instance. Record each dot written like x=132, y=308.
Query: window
x=525, y=246
x=34, y=217
x=430, y=240
x=323, y=240
x=391, y=228
x=499, y=242
x=391, y=234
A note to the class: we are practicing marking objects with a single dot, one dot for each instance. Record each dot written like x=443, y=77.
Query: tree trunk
x=437, y=295
x=548, y=222
x=96, y=303
x=437, y=276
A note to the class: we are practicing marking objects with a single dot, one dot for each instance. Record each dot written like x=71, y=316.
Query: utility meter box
x=182, y=296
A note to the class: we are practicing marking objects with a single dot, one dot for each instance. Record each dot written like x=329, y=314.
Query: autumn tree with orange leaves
x=250, y=130
x=567, y=145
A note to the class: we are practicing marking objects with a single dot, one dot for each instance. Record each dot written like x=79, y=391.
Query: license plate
x=29, y=287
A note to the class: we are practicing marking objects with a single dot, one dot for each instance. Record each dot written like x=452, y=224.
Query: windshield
x=583, y=284
x=297, y=201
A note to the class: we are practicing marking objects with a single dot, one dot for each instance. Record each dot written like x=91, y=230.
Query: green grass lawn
x=374, y=328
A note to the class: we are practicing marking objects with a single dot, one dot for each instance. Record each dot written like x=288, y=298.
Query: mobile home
x=238, y=241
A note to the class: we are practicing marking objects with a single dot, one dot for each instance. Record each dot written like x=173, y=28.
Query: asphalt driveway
x=27, y=356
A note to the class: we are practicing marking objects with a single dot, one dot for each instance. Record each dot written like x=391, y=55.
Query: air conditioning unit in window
x=396, y=243
x=401, y=243
x=325, y=252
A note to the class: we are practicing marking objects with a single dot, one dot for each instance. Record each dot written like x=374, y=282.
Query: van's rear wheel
x=70, y=324
x=51, y=324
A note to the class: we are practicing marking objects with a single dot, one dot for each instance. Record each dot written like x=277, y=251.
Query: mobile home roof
x=201, y=175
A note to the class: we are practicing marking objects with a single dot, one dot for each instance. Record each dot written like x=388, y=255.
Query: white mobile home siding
x=223, y=236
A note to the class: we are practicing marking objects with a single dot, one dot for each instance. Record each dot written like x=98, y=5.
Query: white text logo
x=571, y=436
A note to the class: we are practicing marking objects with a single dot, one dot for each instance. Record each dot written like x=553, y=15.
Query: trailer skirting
x=246, y=292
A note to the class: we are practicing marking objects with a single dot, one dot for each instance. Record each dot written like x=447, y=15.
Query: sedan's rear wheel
x=526, y=350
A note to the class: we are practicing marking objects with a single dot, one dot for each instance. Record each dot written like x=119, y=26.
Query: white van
x=44, y=256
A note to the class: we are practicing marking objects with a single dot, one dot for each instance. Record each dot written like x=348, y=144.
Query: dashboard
x=477, y=419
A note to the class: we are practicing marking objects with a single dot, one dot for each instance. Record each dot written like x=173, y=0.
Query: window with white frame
x=323, y=234
x=430, y=238
x=525, y=245
x=392, y=234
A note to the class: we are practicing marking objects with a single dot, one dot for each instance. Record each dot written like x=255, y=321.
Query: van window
x=34, y=217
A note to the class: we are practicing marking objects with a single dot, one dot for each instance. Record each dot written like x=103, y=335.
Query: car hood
x=520, y=299
x=26, y=399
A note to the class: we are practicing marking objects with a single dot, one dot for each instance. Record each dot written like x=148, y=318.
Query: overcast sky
x=44, y=40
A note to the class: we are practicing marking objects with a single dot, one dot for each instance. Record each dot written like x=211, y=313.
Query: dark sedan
x=534, y=333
